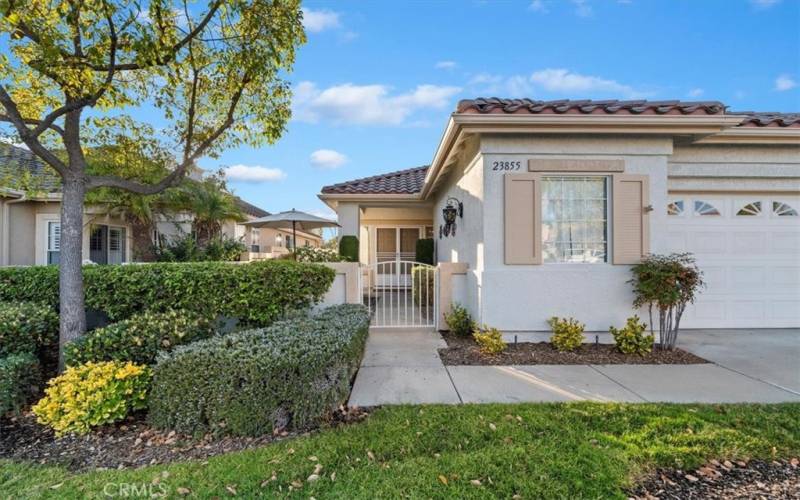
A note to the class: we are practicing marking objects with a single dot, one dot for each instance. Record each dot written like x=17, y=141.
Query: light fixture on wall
x=452, y=209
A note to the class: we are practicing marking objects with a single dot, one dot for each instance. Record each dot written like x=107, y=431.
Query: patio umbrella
x=295, y=218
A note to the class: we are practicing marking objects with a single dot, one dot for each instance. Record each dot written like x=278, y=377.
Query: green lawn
x=549, y=450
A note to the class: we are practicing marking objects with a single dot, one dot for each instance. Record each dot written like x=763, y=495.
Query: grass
x=578, y=450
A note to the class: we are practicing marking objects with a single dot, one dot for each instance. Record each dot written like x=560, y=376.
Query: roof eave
x=754, y=135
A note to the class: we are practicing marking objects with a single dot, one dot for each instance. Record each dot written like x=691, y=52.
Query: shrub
x=256, y=292
x=424, y=251
x=348, y=248
x=291, y=374
x=93, y=394
x=490, y=340
x=26, y=327
x=186, y=249
x=669, y=283
x=423, y=290
x=314, y=254
x=459, y=320
x=631, y=339
x=139, y=338
x=567, y=333
x=20, y=376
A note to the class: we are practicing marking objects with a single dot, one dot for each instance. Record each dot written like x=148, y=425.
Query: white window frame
x=42, y=236
x=609, y=216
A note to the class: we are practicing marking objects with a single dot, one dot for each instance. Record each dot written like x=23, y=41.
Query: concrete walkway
x=403, y=367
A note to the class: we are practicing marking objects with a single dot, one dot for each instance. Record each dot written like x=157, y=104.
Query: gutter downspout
x=6, y=219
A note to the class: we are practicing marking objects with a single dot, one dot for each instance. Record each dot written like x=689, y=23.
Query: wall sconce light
x=452, y=209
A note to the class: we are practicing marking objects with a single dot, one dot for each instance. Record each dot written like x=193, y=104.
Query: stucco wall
x=21, y=230
x=465, y=182
x=522, y=297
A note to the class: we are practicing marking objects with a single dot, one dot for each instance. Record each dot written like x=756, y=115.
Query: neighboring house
x=261, y=243
x=560, y=198
x=30, y=228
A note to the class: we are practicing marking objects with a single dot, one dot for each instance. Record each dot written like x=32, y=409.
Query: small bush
x=257, y=292
x=139, y=338
x=424, y=291
x=291, y=374
x=424, y=251
x=348, y=248
x=315, y=254
x=459, y=320
x=490, y=340
x=20, y=376
x=186, y=249
x=567, y=333
x=26, y=327
x=631, y=339
x=93, y=394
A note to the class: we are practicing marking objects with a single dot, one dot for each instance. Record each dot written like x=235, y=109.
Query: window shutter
x=631, y=231
x=523, y=219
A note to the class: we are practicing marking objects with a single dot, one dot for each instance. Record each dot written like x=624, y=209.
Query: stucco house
x=30, y=228
x=554, y=200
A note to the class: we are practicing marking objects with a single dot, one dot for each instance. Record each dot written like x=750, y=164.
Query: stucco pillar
x=446, y=272
x=349, y=215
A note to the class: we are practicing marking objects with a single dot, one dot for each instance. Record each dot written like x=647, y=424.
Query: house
x=553, y=201
x=30, y=228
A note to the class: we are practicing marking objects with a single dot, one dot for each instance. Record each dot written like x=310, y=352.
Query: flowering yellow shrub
x=489, y=339
x=567, y=333
x=93, y=394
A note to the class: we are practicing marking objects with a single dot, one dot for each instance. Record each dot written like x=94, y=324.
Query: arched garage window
x=675, y=207
x=782, y=209
x=753, y=208
x=705, y=208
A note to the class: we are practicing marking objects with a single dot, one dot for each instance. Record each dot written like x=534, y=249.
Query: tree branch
x=33, y=121
x=14, y=116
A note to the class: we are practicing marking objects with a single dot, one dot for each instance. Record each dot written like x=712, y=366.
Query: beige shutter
x=631, y=231
x=523, y=219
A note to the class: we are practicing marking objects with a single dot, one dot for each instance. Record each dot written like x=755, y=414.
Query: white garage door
x=749, y=250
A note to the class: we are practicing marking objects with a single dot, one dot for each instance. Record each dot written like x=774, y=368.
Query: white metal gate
x=400, y=293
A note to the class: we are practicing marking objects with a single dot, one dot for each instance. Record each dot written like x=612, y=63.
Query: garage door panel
x=751, y=263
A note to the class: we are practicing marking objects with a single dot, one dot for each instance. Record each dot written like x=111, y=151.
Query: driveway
x=763, y=366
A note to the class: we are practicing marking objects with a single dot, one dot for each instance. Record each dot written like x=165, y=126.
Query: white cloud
x=582, y=8
x=785, y=82
x=328, y=158
x=366, y=104
x=253, y=173
x=320, y=20
x=446, y=65
x=538, y=6
x=697, y=92
x=765, y=4
x=563, y=81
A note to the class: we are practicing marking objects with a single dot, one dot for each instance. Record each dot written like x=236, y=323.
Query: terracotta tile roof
x=486, y=105
x=765, y=119
x=21, y=169
x=401, y=182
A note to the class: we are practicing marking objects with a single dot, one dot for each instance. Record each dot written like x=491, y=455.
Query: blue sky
x=377, y=80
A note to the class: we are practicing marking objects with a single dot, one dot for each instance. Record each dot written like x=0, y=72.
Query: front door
x=393, y=246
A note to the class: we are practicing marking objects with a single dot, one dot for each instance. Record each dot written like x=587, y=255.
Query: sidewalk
x=403, y=367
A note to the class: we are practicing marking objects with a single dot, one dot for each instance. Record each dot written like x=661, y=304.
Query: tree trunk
x=72, y=313
x=142, y=239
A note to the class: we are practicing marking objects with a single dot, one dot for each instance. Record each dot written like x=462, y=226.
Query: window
x=575, y=219
x=705, y=208
x=750, y=209
x=782, y=209
x=53, y=242
x=107, y=244
x=675, y=207
x=279, y=240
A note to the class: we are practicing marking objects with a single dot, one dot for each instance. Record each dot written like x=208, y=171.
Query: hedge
x=26, y=327
x=257, y=292
x=20, y=376
x=348, y=248
x=291, y=374
x=424, y=251
x=139, y=338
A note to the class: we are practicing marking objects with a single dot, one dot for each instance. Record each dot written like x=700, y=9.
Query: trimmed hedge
x=424, y=251
x=139, y=338
x=348, y=248
x=291, y=374
x=257, y=292
x=20, y=376
x=26, y=327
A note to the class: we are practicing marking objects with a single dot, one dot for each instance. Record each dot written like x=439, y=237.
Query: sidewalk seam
x=460, y=401
x=593, y=367
x=755, y=378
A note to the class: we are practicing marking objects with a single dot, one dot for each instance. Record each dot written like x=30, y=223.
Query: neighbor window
x=575, y=219
x=53, y=242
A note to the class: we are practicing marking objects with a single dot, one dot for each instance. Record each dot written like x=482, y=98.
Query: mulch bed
x=131, y=443
x=754, y=479
x=464, y=351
